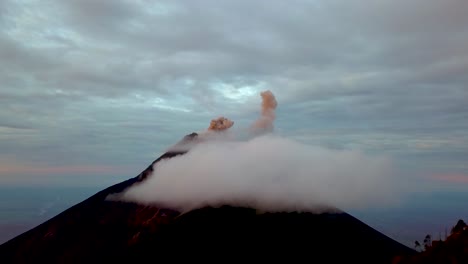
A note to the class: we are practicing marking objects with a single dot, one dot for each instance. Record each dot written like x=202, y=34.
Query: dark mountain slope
x=102, y=231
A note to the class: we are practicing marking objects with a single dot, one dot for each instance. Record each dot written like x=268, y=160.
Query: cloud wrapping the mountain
x=269, y=173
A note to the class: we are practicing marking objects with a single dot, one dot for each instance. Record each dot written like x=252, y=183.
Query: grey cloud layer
x=100, y=78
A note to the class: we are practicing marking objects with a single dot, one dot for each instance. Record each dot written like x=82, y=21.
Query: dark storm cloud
x=98, y=79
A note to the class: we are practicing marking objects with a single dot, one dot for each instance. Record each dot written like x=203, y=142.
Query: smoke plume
x=265, y=122
x=266, y=172
x=220, y=124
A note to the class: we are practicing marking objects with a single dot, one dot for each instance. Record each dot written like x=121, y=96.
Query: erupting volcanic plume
x=220, y=124
x=269, y=104
x=263, y=124
x=266, y=172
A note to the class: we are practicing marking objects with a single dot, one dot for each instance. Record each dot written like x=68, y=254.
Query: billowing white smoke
x=269, y=173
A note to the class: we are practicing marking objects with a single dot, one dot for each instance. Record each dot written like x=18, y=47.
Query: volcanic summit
x=107, y=228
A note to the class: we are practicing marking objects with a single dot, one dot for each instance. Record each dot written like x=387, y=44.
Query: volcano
x=102, y=230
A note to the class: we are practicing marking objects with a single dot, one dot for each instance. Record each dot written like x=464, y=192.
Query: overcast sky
x=104, y=87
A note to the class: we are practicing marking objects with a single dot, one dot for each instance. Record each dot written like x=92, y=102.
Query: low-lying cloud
x=269, y=173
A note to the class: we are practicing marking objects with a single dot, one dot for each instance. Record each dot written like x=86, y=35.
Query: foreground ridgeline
x=453, y=250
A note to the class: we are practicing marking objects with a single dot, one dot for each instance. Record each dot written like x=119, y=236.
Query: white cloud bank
x=269, y=173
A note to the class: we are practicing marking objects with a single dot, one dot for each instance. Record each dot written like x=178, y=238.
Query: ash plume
x=265, y=172
x=220, y=124
x=269, y=104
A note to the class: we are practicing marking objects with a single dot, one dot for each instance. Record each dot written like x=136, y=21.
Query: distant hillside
x=453, y=250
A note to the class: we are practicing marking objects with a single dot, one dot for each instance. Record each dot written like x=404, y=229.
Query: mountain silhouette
x=99, y=230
